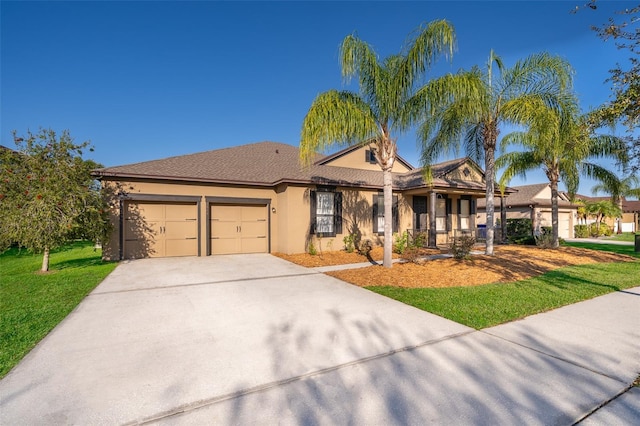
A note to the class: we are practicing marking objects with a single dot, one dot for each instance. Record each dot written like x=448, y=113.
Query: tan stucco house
x=630, y=220
x=258, y=198
x=534, y=202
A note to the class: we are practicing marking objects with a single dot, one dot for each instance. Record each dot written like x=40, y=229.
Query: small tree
x=47, y=194
x=601, y=210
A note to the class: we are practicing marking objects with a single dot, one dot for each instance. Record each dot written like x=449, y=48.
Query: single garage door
x=239, y=229
x=160, y=230
x=563, y=224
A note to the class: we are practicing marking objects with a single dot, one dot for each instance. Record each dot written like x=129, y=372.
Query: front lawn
x=34, y=303
x=625, y=236
x=493, y=304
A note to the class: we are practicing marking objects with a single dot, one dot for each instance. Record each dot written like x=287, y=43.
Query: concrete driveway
x=161, y=335
x=253, y=339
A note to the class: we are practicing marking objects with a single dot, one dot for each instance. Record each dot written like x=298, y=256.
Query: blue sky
x=148, y=80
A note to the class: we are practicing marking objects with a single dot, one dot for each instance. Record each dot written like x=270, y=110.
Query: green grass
x=33, y=304
x=625, y=236
x=493, y=304
x=614, y=248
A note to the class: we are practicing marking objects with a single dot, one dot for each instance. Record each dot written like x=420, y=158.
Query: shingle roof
x=526, y=196
x=268, y=164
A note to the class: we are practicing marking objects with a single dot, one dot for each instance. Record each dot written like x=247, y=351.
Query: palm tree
x=510, y=97
x=602, y=209
x=562, y=144
x=386, y=103
x=619, y=188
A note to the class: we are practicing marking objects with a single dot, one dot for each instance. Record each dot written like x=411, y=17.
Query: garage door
x=239, y=229
x=563, y=224
x=160, y=230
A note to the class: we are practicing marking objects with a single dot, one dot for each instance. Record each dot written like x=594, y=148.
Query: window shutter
x=448, y=207
x=473, y=206
x=312, y=226
x=375, y=214
x=338, y=212
x=459, y=201
x=395, y=214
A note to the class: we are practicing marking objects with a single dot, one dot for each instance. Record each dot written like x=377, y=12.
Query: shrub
x=401, y=242
x=365, y=247
x=519, y=231
x=349, y=243
x=603, y=230
x=312, y=249
x=413, y=255
x=461, y=246
x=581, y=231
x=420, y=240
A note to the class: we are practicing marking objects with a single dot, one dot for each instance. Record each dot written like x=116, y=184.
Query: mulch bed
x=509, y=263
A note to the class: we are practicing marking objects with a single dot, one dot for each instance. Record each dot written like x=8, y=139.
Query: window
x=326, y=213
x=370, y=156
x=441, y=214
x=378, y=214
x=464, y=212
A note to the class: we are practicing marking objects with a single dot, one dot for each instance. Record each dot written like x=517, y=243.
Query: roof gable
x=357, y=157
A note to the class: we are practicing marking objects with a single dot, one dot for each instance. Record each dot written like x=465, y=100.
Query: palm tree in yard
x=502, y=96
x=618, y=188
x=560, y=142
x=387, y=104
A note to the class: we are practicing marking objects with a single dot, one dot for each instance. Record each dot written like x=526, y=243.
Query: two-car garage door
x=164, y=229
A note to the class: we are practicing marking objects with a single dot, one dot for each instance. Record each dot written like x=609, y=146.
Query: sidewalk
x=599, y=241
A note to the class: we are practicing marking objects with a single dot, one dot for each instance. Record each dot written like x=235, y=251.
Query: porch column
x=432, y=219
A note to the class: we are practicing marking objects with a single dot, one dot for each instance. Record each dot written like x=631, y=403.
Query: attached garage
x=237, y=226
x=160, y=227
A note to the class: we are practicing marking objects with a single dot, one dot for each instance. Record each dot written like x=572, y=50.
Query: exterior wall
x=289, y=213
x=356, y=160
x=112, y=248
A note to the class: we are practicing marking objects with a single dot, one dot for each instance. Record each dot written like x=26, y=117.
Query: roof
x=631, y=206
x=269, y=164
x=526, y=196
x=327, y=159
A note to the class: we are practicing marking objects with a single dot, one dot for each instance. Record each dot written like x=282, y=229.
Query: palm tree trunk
x=490, y=174
x=45, y=260
x=554, y=213
x=387, y=180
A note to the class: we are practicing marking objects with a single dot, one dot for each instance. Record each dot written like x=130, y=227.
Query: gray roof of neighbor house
x=268, y=164
x=526, y=195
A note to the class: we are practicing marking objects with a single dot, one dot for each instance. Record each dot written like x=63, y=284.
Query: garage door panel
x=253, y=213
x=254, y=229
x=186, y=230
x=254, y=245
x=181, y=212
x=148, y=211
x=224, y=229
x=225, y=246
x=181, y=247
x=225, y=213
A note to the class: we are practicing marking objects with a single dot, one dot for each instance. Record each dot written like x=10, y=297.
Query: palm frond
x=336, y=118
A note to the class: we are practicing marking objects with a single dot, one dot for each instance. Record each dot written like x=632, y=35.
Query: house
x=258, y=198
x=630, y=220
x=534, y=202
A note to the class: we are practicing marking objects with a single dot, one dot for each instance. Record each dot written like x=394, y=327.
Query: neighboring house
x=258, y=198
x=534, y=202
x=630, y=220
